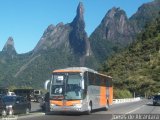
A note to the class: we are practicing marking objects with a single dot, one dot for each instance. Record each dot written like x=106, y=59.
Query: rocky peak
x=78, y=37
x=53, y=37
x=74, y=33
x=157, y=2
x=112, y=12
x=49, y=29
x=79, y=16
x=80, y=11
x=145, y=13
x=9, y=46
x=114, y=15
x=116, y=26
x=10, y=41
x=114, y=32
x=69, y=37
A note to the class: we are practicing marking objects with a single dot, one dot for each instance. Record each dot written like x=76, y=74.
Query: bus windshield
x=67, y=86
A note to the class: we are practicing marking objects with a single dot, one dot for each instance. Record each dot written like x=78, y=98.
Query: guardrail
x=117, y=101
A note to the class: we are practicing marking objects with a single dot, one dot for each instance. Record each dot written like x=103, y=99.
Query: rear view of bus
x=79, y=89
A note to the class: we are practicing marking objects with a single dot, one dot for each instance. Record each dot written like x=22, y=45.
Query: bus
x=79, y=89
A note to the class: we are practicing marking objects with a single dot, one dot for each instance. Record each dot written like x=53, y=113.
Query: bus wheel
x=27, y=111
x=89, y=109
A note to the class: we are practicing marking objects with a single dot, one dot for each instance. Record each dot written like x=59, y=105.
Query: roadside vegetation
x=136, y=70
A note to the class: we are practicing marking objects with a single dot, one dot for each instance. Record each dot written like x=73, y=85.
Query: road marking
x=31, y=115
x=135, y=109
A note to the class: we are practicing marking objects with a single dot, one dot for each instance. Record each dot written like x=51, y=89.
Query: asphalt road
x=141, y=110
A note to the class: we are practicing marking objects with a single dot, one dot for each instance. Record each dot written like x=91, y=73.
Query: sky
x=26, y=20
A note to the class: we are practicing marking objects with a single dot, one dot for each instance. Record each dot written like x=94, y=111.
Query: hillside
x=137, y=68
x=117, y=31
x=67, y=45
x=61, y=45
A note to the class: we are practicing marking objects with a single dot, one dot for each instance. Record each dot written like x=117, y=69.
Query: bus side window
x=85, y=83
x=97, y=80
x=85, y=79
x=103, y=83
x=107, y=82
x=91, y=77
x=110, y=81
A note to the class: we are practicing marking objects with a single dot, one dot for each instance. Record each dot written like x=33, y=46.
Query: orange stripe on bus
x=71, y=103
x=103, y=99
x=59, y=103
x=110, y=95
x=65, y=103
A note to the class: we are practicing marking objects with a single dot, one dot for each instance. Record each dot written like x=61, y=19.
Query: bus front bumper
x=66, y=109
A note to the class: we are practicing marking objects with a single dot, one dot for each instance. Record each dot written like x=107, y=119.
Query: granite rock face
x=9, y=47
x=78, y=37
x=71, y=36
x=116, y=31
x=144, y=15
x=67, y=45
x=53, y=37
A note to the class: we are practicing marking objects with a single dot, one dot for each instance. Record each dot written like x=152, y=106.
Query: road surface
x=139, y=110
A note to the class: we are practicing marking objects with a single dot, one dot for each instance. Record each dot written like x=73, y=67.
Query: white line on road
x=31, y=115
x=135, y=109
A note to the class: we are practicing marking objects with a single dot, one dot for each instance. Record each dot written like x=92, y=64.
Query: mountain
x=146, y=13
x=72, y=35
x=78, y=37
x=8, y=53
x=9, y=47
x=113, y=32
x=137, y=68
x=10, y=62
x=67, y=45
x=116, y=31
x=60, y=46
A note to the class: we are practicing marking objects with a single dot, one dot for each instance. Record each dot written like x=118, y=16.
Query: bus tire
x=27, y=111
x=89, y=109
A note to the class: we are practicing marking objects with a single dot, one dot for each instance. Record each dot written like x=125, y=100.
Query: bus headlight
x=78, y=105
x=53, y=105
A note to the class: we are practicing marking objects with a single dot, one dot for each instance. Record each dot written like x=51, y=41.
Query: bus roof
x=79, y=69
x=75, y=69
x=104, y=75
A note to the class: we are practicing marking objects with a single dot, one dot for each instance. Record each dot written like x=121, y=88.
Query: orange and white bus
x=79, y=89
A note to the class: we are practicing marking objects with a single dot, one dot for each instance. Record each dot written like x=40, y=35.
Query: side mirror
x=46, y=84
x=82, y=84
